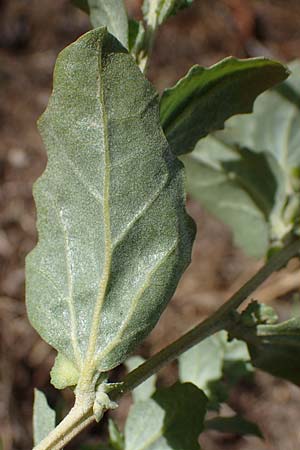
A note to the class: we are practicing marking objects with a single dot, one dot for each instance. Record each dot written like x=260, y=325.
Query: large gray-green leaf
x=255, y=191
x=109, y=13
x=203, y=364
x=43, y=417
x=163, y=9
x=171, y=420
x=273, y=347
x=243, y=188
x=201, y=101
x=114, y=237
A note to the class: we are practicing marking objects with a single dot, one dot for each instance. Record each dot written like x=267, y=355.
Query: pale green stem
x=152, y=25
x=80, y=416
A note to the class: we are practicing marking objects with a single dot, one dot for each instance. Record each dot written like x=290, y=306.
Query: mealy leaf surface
x=114, y=237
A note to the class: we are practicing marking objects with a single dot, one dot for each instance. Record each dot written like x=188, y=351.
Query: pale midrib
x=70, y=299
x=117, y=339
x=89, y=365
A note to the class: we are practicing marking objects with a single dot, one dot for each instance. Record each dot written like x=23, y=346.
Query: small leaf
x=163, y=9
x=267, y=193
x=172, y=419
x=43, y=417
x=233, y=425
x=109, y=13
x=243, y=188
x=116, y=438
x=147, y=388
x=63, y=373
x=274, y=348
x=201, y=101
x=203, y=364
x=273, y=126
x=105, y=267
x=258, y=314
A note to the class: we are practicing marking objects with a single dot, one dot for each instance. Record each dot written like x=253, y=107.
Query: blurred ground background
x=32, y=32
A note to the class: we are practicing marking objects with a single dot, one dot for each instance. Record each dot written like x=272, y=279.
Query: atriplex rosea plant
x=114, y=237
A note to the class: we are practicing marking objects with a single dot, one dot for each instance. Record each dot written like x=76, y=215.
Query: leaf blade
x=116, y=438
x=257, y=160
x=171, y=419
x=273, y=125
x=43, y=417
x=202, y=100
x=209, y=182
x=109, y=13
x=107, y=180
x=204, y=364
x=273, y=347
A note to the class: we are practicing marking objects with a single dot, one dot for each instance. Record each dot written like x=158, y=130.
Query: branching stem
x=82, y=414
x=222, y=319
x=77, y=420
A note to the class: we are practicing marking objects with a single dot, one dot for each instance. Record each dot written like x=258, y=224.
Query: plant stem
x=223, y=318
x=81, y=415
x=150, y=33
